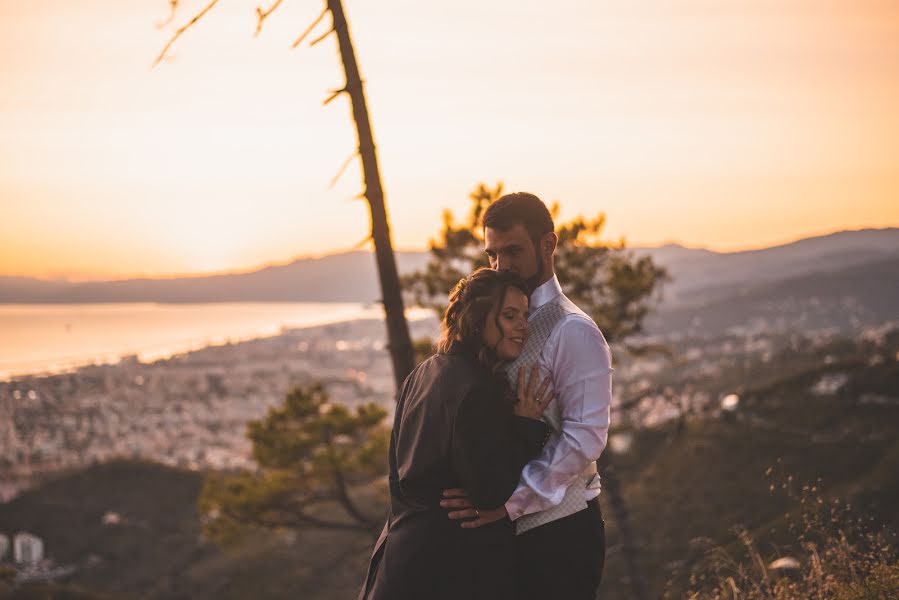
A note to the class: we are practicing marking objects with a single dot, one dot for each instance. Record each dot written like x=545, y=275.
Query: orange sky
x=727, y=125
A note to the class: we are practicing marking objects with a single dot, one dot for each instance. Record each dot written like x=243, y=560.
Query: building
x=28, y=549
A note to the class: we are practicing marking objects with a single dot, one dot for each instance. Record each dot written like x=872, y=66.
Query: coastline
x=190, y=409
x=44, y=340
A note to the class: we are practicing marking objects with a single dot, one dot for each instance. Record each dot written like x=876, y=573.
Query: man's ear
x=550, y=240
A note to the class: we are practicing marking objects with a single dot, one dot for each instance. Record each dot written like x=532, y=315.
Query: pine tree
x=608, y=282
x=313, y=457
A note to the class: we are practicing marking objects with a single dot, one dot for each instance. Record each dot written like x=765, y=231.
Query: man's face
x=512, y=250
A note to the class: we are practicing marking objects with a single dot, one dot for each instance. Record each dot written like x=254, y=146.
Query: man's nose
x=503, y=264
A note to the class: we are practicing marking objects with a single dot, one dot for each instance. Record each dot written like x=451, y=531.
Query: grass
x=835, y=554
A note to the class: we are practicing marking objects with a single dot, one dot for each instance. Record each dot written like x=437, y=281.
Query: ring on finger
x=477, y=513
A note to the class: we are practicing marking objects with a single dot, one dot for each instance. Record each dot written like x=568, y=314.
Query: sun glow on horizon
x=727, y=127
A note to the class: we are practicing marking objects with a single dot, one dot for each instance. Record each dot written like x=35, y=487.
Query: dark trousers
x=562, y=559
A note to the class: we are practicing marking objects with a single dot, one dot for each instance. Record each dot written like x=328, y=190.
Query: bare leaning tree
x=399, y=341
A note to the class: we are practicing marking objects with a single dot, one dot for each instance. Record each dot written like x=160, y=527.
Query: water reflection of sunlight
x=52, y=339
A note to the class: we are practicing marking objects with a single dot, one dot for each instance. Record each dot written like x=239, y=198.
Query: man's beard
x=533, y=282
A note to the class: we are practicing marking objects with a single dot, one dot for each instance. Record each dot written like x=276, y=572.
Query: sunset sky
x=728, y=125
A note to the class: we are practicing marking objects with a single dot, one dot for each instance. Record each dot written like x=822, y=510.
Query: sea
x=52, y=338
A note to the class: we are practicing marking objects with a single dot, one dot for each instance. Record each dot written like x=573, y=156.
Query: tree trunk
x=399, y=342
x=611, y=489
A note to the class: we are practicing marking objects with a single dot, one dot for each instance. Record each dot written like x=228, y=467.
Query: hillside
x=144, y=554
x=157, y=550
x=845, y=298
x=686, y=487
x=698, y=273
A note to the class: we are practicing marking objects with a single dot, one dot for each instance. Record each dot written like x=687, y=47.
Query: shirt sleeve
x=490, y=446
x=580, y=363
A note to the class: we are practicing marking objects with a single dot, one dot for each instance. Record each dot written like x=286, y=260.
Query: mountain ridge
x=352, y=277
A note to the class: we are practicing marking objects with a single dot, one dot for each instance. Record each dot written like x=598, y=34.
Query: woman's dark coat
x=454, y=427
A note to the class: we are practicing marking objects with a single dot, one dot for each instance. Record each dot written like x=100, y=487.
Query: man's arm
x=581, y=367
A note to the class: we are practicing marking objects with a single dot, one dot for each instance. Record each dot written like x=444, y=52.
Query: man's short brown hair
x=519, y=208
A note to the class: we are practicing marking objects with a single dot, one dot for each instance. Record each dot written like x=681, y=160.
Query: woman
x=458, y=424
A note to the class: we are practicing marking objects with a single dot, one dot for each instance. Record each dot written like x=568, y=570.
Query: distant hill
x=346, y=277
x=845, y=298
x=699, y=275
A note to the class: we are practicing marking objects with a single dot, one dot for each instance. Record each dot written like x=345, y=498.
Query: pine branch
x=341, y=488
x=344, y=498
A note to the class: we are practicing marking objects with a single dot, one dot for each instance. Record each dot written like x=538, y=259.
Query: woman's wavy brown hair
x=470, y=303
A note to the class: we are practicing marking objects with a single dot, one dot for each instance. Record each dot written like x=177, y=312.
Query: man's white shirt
x=578, y=359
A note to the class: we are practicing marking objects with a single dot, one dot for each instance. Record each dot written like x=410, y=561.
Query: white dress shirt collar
x=546, y=292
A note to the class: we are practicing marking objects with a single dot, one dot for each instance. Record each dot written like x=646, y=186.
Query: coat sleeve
x=490, y=446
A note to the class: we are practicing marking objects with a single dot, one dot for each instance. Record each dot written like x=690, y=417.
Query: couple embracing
x=492, y=460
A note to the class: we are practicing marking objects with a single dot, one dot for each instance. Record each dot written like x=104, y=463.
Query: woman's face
x=508, y=339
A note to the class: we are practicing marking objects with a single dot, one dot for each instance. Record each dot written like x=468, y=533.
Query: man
x=560, y=532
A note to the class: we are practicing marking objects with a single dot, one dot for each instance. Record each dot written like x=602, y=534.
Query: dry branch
x=183, y=28
x=173, y=7
x=343, y=168
x=321, y=37
x=262, y=15
x=334, y=94
x=364, y=241
x=309, y=29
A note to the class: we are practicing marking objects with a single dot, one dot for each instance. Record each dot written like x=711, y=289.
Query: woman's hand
x=531, y=401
